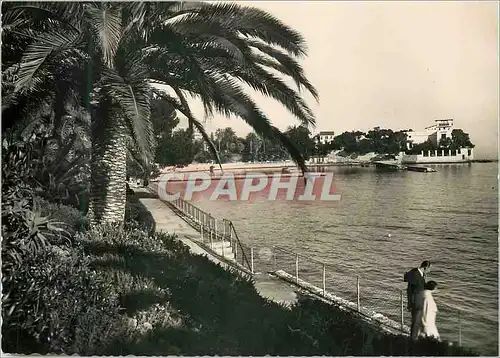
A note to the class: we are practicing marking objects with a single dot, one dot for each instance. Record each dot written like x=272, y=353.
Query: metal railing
x=385, y=302
x=219, y=235
x=381, y=302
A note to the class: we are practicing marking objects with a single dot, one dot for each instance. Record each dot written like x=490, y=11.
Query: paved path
x=168, y=221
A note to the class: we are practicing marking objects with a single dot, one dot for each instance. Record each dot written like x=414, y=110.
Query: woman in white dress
x=426, y=316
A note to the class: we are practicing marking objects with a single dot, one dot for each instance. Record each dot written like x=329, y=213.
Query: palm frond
x=282, y=63
x=187, y=38
x=193, y=122
x=230, y=99
x=252, y=22
x=128, y=86
x=266, y=83
x=36, y=55
x=106, y=21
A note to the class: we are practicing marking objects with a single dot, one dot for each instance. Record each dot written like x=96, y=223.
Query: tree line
x=253, y=148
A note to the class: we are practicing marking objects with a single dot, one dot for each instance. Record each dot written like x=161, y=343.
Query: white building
x=462, y=155
x=198, y=137
x=440, y=130
x=325, y=136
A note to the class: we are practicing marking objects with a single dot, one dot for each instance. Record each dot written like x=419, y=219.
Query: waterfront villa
x=437, y=156
x=325, y=137
x=442, y=129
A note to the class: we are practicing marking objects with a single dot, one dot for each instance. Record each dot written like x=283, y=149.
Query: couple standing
x=421, y=304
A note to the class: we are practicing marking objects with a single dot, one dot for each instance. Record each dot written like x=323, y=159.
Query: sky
x=397, y=65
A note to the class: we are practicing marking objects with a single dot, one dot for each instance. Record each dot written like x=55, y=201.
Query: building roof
x=327, y=133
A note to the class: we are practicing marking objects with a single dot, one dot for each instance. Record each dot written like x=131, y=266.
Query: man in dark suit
x=416, y=283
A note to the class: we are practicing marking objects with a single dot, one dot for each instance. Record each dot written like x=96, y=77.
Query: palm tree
x=110, y=54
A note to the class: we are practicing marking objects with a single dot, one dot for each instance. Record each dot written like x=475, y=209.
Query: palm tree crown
x=108, y=55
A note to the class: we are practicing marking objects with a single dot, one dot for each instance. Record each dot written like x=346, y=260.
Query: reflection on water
x=387, y=223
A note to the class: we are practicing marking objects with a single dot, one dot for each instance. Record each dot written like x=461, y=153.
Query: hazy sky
x=397, y=65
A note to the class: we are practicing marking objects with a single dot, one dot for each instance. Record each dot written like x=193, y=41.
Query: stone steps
x=222, y=248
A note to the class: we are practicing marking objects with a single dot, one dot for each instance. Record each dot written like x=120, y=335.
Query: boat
x=389, y=165
x=420, y=169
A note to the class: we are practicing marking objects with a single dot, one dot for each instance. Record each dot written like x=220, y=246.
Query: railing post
x=222, y=247
x=402, y=308
x=297, y=268
x=324, y=280
x=215, y=229
x=202, y=236
x=357, y=293
x=231, y=234
x=251, y=259
x=234, y=243
x=275, y=260
x=211, y=239
x=459, y=329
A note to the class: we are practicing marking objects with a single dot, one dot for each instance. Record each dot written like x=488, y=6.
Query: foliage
x=301, y=137
x=128, y=45
x=119, y=291
x=460, y=139
x=54, y=158
x=137, y=216
x=52, y=302
x=70, y=219
x=172, y=146
x=55, y=303
x=178, y=148
x=24, y=230
x=425, y=146
x=445, y=142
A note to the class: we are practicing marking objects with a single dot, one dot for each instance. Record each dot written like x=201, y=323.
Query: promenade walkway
x=168, y=221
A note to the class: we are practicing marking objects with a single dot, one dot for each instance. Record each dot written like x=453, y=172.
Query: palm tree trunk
x=108, y=176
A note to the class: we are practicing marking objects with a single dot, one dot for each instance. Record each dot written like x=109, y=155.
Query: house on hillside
x=439, y=131
x=325, y=137
x=198, y=137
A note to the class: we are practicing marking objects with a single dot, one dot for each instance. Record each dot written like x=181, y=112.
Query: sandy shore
x=233, y=167
x=248, y=167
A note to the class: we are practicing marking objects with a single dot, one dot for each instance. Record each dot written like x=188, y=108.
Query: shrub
x=24, y=230
x=137, y=216
x=52, y=302
x=58, y=304
x=73, y=219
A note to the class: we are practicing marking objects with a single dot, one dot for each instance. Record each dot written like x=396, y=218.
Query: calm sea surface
x=387, y=223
